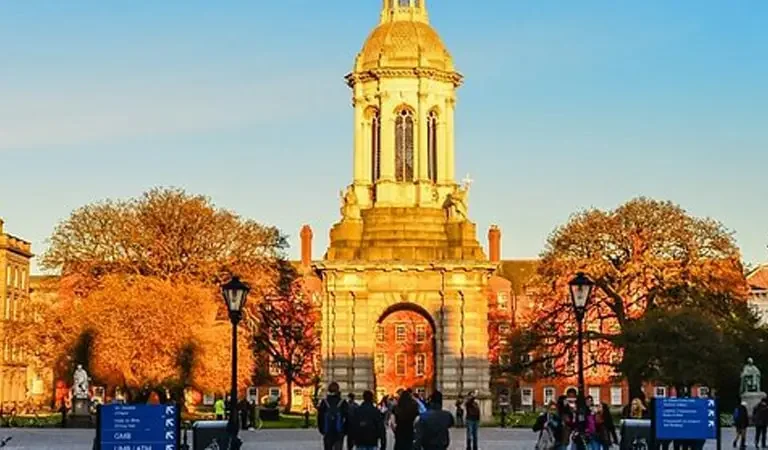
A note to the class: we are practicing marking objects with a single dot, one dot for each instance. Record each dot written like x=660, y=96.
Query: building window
x=703, y=392
x=432, y=145
x=421, y=334
x=16, y=278
x=400, y=333
x=421, y=364
x=380, y=363
x=616, y=396
x=8, y=276
x=400, y=361
x=375, y=146
x=526, y=396
x=274, y=393
x=7, y=313
x=23, y=279
x=660, y=391
x=594, y=392
x=549, y=395
x=379, y=333
x=274, y=368
x=404, y=146
x=502, y=300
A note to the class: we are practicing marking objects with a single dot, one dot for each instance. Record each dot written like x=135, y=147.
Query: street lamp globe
x=581, y=291
x=235, y=293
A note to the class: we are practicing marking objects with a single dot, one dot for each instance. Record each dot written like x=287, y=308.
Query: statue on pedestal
x=750, y=377
x=80, y=388
x=350, y=207
x=456, y=205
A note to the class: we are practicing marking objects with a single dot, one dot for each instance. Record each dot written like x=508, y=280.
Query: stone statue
x=456, y=204
x=350, y=208
x=80, y=389
x=750, y=377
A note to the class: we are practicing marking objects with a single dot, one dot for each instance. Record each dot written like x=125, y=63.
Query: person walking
x=460, y=411
x=406, y=412
x=473, y=420
x=366, y=426
x=760, y=415
x=242, y=408
x=740, y=422
x=433, y=426
x=219, y=408
x=549, y=425
x=608, y=427
x=351, y=409
x=331, y=418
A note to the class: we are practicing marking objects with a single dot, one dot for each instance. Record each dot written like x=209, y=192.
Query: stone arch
x=405, y=353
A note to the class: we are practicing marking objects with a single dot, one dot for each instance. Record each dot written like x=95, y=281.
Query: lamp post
x=581, y=290
x=235, y=294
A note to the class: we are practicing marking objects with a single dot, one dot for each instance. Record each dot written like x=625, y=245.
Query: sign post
x=685, y=419
x=138, y=427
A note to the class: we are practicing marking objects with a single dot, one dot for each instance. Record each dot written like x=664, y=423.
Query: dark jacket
x=367, y=416
x=760, y=415
x=330, y=401
x=433, y=430
x=552, y=421
x=473, y=410
x=740, y=417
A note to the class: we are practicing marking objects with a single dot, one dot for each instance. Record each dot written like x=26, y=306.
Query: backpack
x=546, y=440
x=333, y=422
x=364, y=424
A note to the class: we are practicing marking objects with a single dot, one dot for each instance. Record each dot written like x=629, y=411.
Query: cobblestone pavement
x=490, y=439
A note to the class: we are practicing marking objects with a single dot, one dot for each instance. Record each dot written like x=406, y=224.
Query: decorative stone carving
x=456, y=204
x=350, y=207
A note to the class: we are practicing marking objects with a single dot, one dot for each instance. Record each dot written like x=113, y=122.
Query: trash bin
x=210, y=435
x=635, y=434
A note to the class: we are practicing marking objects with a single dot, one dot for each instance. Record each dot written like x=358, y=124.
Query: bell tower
x=403, y=202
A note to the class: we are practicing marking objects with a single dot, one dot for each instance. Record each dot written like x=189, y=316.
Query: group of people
x=246, y=409
x=558, y=426
x=417, y=423
x=741, y=423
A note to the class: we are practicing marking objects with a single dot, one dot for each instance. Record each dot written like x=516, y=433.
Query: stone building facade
x=17, y=382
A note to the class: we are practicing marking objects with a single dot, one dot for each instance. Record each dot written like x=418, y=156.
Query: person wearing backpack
x=433, y=426
x=332, y=418
x=366, y=426
x=549, y=425
x=473, y=421
x=741, y=423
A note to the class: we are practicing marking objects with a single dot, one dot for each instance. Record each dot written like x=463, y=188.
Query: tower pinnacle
x=413, y=10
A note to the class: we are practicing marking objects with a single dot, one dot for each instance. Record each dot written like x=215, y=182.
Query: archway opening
x=405, y=355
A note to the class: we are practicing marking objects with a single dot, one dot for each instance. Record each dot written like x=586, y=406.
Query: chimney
x=306, y=246
x=494, y=244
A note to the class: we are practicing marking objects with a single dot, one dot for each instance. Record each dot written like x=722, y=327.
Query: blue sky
x=566, y=105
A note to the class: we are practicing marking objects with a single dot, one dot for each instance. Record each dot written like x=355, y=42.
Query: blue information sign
x=686, y=418
x=138, y=427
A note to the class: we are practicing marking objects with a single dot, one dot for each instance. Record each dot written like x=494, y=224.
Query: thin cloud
x=58, y=116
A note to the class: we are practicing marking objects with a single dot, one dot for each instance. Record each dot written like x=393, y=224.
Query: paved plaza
x=490, y=439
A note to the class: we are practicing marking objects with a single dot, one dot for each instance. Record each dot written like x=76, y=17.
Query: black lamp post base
x=235, y=443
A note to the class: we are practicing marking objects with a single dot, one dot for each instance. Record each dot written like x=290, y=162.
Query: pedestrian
x=608, y=428
x=331, y=418
x=366, y=427
x=473, y=420
x=433, y=427
x=503, y=409
x=219, y=408
x=760, y=415
x=351, y=409
x=740, y=422
x=242, y=408
x=460, y=411
x=62, y=409
x=549, y=425
x=406, y=412
x=568, y=419
x=593, y=423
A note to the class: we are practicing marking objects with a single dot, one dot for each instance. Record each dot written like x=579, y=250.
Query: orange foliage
x=636, y=254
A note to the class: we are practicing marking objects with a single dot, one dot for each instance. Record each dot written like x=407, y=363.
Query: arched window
x=375, y=146
x=405, y=3
x=404, y=146
x=432, y=145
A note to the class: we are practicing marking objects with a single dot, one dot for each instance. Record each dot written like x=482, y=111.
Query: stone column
x=422, y=150
x=358, y=143
x=387, y=139
x=450, y=163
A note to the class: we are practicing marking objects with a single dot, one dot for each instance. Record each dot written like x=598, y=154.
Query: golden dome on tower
x=404, y=39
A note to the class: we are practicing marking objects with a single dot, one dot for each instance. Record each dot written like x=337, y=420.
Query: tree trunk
x=289, y=397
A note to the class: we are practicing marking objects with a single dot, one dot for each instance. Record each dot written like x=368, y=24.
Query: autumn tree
x=143, y=276
x=636, y=254
x=286, y=332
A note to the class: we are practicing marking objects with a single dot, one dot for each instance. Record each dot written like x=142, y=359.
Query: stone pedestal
x=752, y=399
x=80, y=417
